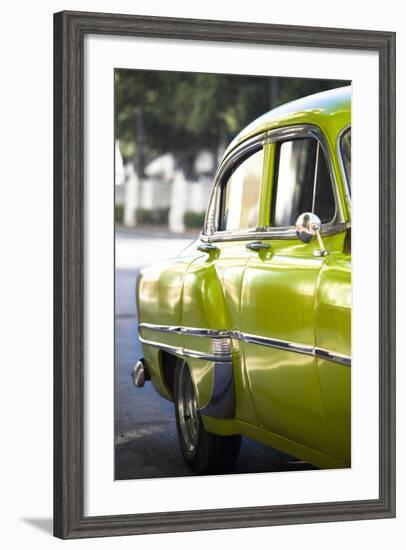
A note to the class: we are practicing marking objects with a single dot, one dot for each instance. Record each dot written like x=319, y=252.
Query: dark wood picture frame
x=69, y=31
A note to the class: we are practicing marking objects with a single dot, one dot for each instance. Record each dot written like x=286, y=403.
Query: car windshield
x=345, y=148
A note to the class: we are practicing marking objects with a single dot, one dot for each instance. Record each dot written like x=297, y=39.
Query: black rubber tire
x=210, y=453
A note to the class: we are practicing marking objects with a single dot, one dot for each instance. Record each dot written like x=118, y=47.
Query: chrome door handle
x=207, y=247
x=257, y=245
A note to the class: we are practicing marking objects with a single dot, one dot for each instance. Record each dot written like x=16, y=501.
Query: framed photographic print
x=224, y=292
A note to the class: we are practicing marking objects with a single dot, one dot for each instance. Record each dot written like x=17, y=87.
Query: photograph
x=221, y=359
x=233, y=292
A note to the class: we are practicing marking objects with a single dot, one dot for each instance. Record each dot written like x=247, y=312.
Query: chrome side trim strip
x=332, y=356
x=275, y=343
x=189, y=331
x=161, y=328
x=237, y=335
x=218, y=358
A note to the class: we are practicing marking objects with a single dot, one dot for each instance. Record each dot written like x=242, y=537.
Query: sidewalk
x=136, y=248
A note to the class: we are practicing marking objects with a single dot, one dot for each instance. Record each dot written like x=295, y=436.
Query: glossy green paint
x=333, y=331
x=298, y=403
x=211, y=299
x=278, y=299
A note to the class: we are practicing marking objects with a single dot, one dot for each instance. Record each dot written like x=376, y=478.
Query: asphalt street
x=146, y=443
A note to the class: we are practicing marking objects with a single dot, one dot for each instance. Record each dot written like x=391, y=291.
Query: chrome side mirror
x=308, y=225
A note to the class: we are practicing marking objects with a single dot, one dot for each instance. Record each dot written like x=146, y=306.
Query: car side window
x=345, y=148
x=240, y=193
x=302, y=183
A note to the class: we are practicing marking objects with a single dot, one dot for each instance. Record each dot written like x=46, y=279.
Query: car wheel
x=204, y=453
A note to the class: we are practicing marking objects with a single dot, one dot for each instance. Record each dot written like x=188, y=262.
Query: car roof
x=330, y=110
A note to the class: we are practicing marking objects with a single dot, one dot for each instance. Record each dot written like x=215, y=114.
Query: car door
x=212, y=285
x=279, y=292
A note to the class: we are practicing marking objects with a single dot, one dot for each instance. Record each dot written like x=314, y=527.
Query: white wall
x=26, y=273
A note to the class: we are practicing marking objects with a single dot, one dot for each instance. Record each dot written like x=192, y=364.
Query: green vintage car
x=248, y=330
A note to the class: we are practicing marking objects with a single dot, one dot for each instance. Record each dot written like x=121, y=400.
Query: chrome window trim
x=252, y=145
x=336, y=225
x=346, y=186
x=261, y=234
x=310, y=130
x=276, y=343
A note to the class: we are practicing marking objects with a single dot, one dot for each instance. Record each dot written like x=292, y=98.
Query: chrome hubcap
x=187, y=410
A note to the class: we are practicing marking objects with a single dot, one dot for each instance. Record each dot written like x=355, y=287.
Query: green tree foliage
x=182, y=113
